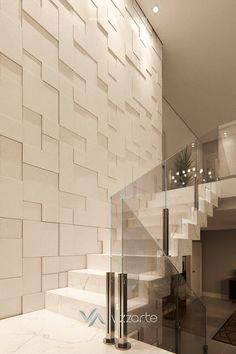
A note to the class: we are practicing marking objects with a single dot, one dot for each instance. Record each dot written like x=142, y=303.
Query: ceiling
x=199, y=58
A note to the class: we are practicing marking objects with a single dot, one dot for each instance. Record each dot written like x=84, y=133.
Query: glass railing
x=162, y=310
x=154, y=221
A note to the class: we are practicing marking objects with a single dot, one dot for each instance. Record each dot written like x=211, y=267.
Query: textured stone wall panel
x=80, y=117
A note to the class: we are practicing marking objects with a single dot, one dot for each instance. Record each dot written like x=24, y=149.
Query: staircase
x=86, y=287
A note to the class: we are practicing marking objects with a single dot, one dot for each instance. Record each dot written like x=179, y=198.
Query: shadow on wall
x=224, y=285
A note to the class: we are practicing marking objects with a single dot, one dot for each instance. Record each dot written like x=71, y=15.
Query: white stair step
x=135, y=231
x=172, y=202
x=70, y=302
x=181, y=209
x=137, y=246
x=134, y=264
x=206, y=207
x=95, y=280
x=155, y=220
x=190, y=229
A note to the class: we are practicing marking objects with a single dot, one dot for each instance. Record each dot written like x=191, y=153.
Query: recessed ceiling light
x=155, y=9
x=225, y=134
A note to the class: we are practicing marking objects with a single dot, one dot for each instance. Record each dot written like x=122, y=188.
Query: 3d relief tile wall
x=80, y=117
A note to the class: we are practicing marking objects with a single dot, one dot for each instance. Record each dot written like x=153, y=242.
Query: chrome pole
x=122, y=343
x=166, y=231
x=196, y=194
x=110, y=308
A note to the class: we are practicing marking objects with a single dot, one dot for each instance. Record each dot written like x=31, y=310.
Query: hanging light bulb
x=177, y=173
x=194, y=169
x=201, y=170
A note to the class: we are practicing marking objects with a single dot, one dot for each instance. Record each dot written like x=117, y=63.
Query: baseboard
x=215, y=295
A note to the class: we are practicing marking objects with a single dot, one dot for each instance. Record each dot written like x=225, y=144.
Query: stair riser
x=172, y=201
x=153, y=220
x=206, y=207
x=132, y=265
x=137, y=246
x=71, y=308
x=97, y=283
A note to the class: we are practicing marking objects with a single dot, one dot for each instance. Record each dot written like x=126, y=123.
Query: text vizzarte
x=146, y=317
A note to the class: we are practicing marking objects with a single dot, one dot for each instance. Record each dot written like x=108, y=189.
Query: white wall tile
x=10, y=86
x=10, y=258
x=10, y=307
x=31, y=275
x=49, y=281
x=10, y=228
x=33, y=302
x=40, y=239
x=11, y=42
x=11, y=288
x=71, y=262
x=10, y=158
x=78, y=240
x=50, y=265
x=32, y=211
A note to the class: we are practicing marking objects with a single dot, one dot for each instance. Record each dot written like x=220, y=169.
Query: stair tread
x=146, y=276
x=93, y=297
x=89, y=271
x=128, y=255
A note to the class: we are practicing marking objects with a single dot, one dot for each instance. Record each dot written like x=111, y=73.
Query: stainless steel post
x=166, y=231
x=122, y=320
x=110, y=308
x=196, y=194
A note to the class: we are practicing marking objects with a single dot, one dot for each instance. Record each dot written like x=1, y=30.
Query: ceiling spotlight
x=225, y=134
x=155, y=9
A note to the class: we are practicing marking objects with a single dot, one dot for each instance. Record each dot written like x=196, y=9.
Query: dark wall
x=219, y=260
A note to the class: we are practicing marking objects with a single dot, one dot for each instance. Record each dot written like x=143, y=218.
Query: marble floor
x=51, y=333
x=43, y=332
x=218, y=311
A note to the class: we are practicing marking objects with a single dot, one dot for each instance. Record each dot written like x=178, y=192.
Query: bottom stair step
x=74, y=303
